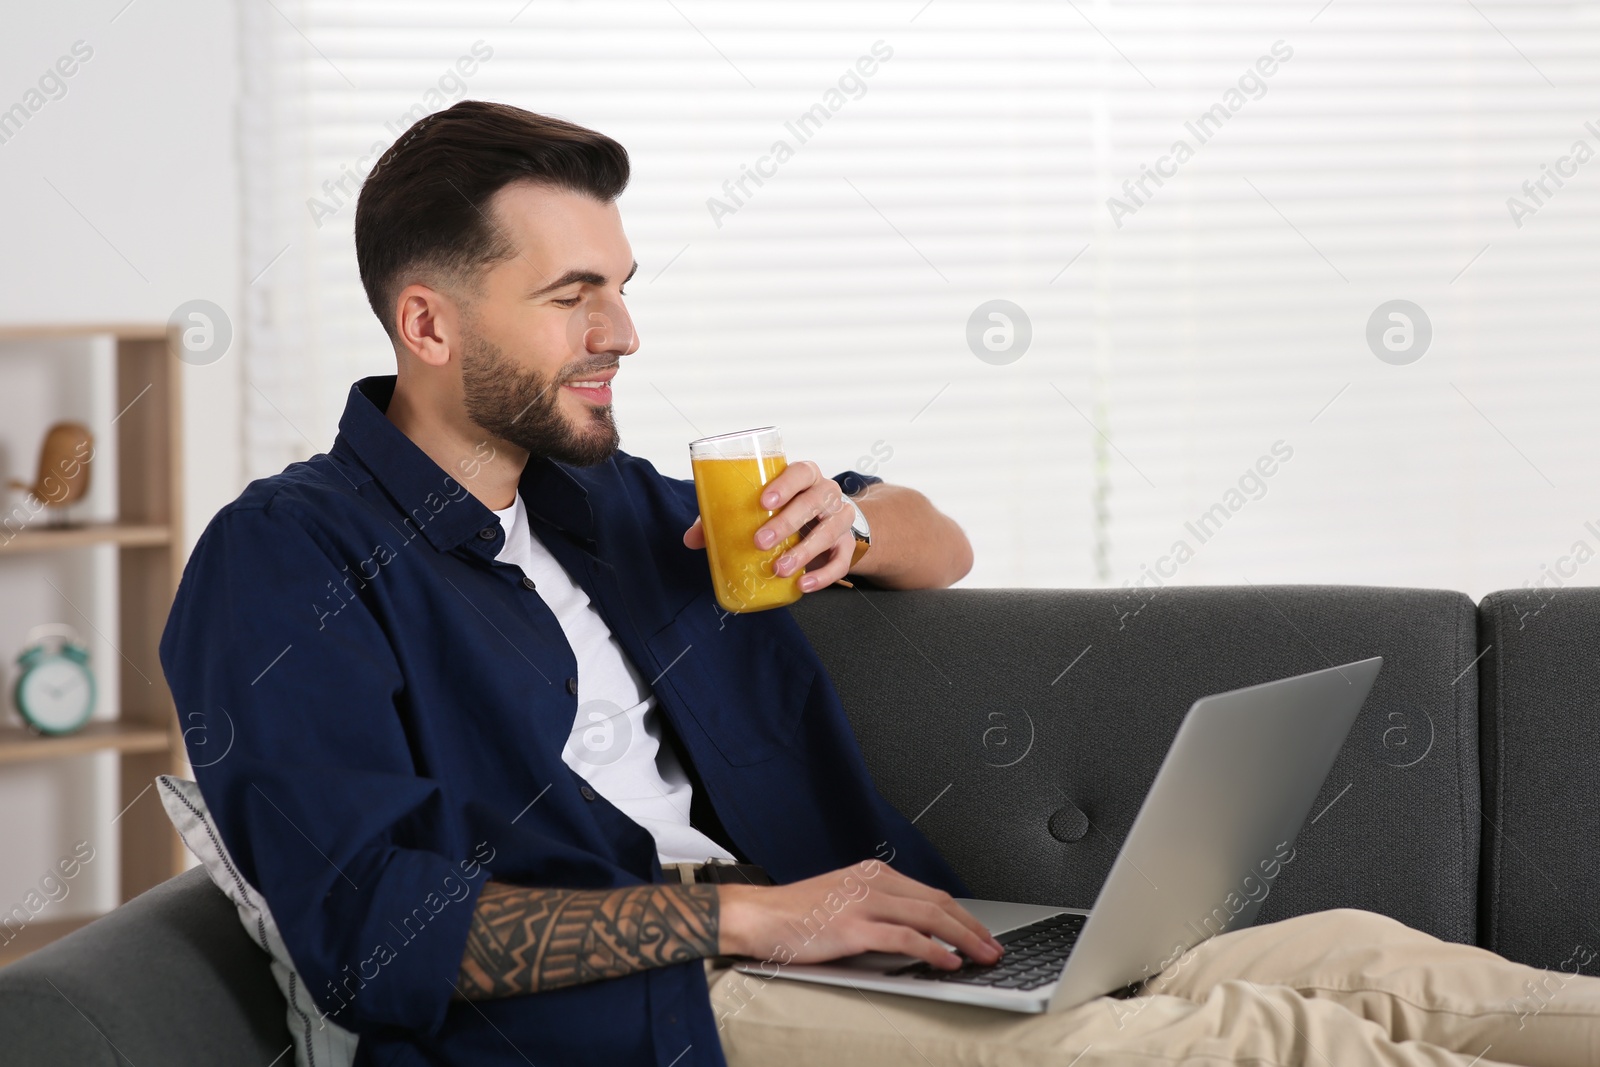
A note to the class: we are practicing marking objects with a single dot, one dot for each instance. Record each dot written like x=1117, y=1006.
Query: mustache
x=583, y=372
x=574, y=376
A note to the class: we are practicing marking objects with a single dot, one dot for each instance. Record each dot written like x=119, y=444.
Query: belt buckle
x=731, y=872
x=706, y=872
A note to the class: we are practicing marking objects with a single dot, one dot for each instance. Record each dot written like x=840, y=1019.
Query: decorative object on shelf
x=63, y=468
x=55, y=691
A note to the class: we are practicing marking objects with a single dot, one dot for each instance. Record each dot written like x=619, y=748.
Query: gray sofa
x=1022, y=728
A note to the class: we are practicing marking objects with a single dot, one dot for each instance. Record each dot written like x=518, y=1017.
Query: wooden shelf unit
x=18, y=745
x=146, y=736
x=48, y=538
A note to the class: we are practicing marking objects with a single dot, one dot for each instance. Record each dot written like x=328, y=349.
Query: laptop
x=1215, y=830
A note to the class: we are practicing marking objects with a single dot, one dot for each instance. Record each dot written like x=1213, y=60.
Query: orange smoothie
x=729, y=491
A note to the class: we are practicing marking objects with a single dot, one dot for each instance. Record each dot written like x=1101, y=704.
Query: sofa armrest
x=169, y=978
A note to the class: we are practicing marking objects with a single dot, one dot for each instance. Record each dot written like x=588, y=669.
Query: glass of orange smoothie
x=730, y=472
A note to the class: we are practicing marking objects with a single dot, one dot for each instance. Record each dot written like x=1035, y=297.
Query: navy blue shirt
x=396, y=701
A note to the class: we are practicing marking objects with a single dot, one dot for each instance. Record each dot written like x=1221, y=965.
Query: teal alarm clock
x=55, y=691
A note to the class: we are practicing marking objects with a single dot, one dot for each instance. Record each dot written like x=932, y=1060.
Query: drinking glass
x=730, y=472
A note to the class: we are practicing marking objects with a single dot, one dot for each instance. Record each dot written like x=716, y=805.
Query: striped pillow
x=317, y=1041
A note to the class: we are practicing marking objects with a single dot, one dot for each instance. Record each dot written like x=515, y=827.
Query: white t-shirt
x=615, y=743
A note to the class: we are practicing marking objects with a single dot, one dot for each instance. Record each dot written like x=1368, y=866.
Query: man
x=472, y=658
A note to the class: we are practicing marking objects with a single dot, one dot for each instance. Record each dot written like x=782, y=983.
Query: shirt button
x=572, y=686
x=487, y=533
x=588, y=794
x=529, y=583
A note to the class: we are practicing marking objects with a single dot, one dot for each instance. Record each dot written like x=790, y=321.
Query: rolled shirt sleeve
x=852, y=482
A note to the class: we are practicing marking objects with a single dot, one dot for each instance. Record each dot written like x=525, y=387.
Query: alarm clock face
x=56, y=695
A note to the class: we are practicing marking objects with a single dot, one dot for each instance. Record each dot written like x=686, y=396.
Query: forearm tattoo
x=524, y=940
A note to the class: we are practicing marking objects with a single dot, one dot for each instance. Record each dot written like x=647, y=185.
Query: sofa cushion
x=1540, y=732
x=169, y=978
x=1021, y=729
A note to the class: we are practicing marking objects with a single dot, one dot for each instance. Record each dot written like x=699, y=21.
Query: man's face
x=543, y=340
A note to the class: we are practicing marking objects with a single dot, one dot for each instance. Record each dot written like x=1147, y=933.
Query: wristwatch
x=862, y=532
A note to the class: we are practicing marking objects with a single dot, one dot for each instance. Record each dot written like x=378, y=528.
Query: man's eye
x=568, y=301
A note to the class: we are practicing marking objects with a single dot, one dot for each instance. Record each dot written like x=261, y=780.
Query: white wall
x=121, y=203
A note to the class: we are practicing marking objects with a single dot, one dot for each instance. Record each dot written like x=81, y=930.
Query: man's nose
x=608, y=329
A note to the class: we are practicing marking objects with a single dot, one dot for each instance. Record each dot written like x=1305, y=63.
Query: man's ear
x=427, y=323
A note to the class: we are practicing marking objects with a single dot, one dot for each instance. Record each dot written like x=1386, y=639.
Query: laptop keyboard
x=1034, y=956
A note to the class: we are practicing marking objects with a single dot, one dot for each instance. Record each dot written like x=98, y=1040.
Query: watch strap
x=860, y=550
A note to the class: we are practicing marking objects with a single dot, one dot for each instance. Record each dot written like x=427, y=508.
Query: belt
x=716, y=872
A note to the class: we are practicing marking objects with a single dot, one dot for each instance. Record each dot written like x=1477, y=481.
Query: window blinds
x=849, y=217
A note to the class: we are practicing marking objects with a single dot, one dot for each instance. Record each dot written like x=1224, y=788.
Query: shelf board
x=132, y=331
x=43, y=538
x=20, y=745
x=37, y=935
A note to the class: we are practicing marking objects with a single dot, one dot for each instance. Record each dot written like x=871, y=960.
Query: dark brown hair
x=424, y=209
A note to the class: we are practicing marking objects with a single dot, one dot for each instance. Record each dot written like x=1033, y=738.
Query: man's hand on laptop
x=867, y=907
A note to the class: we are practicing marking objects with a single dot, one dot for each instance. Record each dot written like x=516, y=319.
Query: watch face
x=56, y=695
x=859, y=527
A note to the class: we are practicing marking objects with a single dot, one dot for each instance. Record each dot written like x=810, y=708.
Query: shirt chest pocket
x=737, y=676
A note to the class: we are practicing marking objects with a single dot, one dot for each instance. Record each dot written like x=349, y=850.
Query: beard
x=524, y=407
